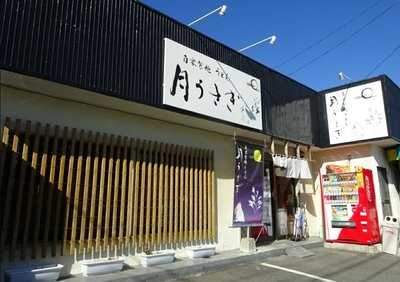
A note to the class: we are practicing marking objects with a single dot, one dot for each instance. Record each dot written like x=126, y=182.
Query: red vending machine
x=349, y=208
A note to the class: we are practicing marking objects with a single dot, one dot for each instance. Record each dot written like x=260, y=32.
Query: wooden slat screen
x=65, y=190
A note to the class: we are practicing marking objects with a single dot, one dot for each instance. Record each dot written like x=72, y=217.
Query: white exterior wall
x=311, y=196
x=366, y=156
x=17, y=103
x=34, y=99
x=116, y=116
x=380, y=159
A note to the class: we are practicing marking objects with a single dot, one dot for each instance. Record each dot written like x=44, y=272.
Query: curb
x=189, y=268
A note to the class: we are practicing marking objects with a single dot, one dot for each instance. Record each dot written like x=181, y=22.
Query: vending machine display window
x=349, y=207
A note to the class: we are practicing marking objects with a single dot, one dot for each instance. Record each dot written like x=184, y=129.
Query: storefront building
x=119, y=131
x=361, y=129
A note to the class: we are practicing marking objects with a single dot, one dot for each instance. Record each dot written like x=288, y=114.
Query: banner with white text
x=249, y=184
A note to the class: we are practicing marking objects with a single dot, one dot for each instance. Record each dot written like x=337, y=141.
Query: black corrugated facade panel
x=116, y=47
x=292, y=109
x=104, y=46
x=392, y=105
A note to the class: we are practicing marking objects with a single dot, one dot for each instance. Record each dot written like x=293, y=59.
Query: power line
x=328, y=35
x=340, y=43
x=377, y=66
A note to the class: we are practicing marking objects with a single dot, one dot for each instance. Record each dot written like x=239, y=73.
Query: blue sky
x=299, y=24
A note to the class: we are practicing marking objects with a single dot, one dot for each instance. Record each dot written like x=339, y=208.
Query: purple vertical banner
x=249, y=184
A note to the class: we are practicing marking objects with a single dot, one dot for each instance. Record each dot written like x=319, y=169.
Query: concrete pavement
x=326, y=265
x=184, y=266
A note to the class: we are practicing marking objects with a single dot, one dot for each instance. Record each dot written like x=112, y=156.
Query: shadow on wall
x=308, y=199
x=61, y=195
x=343, y=154
x=32, y=209
x=395, y=166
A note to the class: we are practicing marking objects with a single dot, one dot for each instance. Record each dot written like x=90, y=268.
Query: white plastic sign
x=356, y=113
x=200, y=84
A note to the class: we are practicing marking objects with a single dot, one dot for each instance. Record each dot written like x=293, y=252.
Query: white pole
x=271, y=38
x=205, y=16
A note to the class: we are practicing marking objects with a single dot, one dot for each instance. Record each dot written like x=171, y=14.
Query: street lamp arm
x=343, y=76
x=222, y=10
x=271, y=39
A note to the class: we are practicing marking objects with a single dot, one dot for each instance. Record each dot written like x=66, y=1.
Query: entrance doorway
x=384, y=189
x=280, y=207
x=285, y=200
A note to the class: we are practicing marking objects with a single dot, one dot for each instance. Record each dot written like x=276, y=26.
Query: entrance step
x=368, y=249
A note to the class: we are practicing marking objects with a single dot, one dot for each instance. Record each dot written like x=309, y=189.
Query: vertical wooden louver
x=66, y=190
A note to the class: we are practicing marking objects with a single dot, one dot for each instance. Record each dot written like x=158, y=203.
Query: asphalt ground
x=326, y=265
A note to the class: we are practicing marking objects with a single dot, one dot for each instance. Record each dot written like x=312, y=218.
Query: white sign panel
x=200, y=84
x=356, y=113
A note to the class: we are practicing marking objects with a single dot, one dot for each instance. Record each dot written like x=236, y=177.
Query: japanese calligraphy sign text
x=356, y=113
x=249, y=185
x=200, y=84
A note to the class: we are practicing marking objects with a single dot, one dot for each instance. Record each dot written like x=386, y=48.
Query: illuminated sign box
x=356, y=113
x=200, y=84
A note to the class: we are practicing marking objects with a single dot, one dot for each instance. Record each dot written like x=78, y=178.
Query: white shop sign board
x=200, y=84
x=356, y=113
